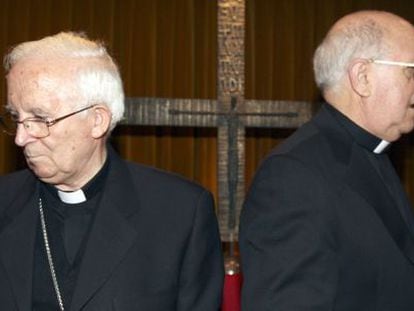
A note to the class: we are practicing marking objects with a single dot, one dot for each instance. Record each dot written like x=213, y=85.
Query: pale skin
x=75, y=149
x=380, y=98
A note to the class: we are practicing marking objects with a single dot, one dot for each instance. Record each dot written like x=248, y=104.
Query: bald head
x=364, y=34
x=365, y=69
x=384, y=20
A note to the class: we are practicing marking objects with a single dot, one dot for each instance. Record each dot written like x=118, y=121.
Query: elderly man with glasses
x=81, y=229
x=326, y=224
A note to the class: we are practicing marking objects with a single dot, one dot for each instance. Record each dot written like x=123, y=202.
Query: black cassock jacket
x=324, y=229
x=154, y=244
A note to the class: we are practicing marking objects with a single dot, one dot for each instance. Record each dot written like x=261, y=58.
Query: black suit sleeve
x=201, y=277
x=286, y=242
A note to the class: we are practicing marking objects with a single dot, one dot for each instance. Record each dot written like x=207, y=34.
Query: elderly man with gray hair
x=82, y=229
x=326, y=224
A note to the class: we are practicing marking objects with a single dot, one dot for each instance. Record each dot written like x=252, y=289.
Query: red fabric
x=231, y=293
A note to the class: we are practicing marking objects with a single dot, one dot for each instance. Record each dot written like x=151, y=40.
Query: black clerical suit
x=153, y=244
x=326, y=225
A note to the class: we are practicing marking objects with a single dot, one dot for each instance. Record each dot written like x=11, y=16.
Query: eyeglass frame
x=392, y=63
x=47, y=122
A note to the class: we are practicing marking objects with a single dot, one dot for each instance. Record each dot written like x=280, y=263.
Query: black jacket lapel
x=111, y=235
x=358, y=172
x=365, y=180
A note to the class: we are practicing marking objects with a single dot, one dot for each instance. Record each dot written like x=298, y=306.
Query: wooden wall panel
x=168, y=49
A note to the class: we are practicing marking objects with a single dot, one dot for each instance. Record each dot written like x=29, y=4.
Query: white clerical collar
x=381, y=146
x=73, y=197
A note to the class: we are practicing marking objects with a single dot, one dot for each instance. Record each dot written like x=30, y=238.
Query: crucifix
x=230, y=113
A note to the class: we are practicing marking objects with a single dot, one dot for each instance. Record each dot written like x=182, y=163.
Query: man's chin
x=44, y=175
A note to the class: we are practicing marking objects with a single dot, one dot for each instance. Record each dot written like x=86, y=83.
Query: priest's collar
x=72, y=197
x=361, y=136
x=87, y=192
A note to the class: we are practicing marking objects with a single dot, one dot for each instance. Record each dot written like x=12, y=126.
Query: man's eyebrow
x=36, y=112
x=39, y=112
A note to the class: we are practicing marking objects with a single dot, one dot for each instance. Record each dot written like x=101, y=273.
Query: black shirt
x=68, y=227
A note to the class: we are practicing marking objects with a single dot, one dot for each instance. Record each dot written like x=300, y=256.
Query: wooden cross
x=230, y=113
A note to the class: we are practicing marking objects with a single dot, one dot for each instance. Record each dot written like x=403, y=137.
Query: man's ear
x=359, y=77
x=101, y=121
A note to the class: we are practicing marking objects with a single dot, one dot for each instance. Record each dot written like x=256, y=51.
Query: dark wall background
x=167, y=48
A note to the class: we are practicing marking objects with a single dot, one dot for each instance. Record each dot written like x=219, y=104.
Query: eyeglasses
x=34, y=126
x=394, y=63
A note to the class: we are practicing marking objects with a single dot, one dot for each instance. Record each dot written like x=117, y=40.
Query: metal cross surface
x=230, y=114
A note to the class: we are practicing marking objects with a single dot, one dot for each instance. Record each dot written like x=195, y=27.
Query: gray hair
x=362, y=39
x=97, y=78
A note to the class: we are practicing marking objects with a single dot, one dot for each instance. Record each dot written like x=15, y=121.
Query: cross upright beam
x=231, y=134
x=230, y=114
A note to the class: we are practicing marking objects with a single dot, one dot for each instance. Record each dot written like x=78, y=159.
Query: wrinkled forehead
x=38, y=79
x=43, y=70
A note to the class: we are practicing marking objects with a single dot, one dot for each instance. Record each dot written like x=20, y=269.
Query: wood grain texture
x=168, y=49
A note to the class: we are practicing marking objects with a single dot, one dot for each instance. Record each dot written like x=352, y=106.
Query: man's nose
x=22, y=136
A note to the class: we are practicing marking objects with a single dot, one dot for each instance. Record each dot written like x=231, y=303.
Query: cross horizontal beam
x=209, y=113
